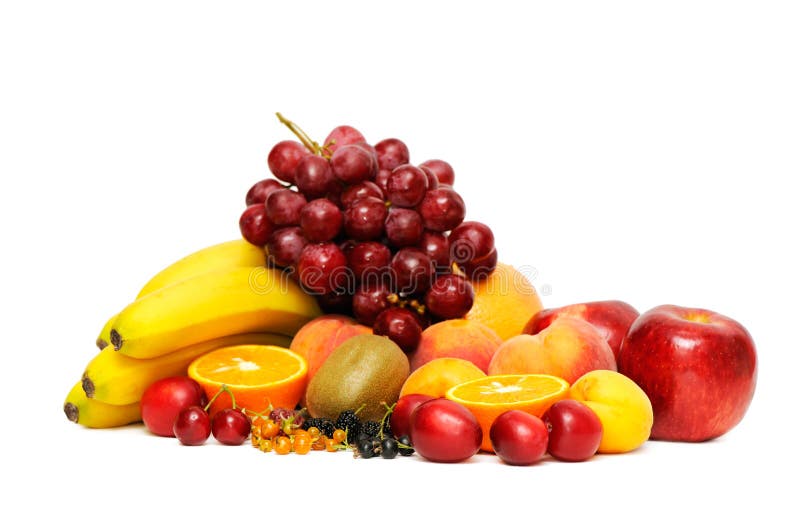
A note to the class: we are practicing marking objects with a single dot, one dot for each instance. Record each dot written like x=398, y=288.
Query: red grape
x=360, y=190
x=406, y=186
x=364, y=219
x=283, y=159
x=230, y=427
x=433, y=181
x=442, y=170
x=342, y=136
x=320, y=220
x=412, y=271
x=391, y=153
x=192, y=426
x=283, y=207
x=254, y=224
x=336, y=302
x=369, y=261
x=436, y=246
x=314, y=176
x=403, y=227
x=401, y=326
x=450, y=297
x=518, y=438
x=258, y=193
x=285, y=245
x=353, y=164
x=575, y=431
x=369, y=300
x=441, y=209
x=471, y=245
x=382, y=179
x=481, y=268
x=322, y=268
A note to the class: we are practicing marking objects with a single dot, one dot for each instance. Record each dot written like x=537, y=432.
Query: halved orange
x=257, y=375
x=488, y=397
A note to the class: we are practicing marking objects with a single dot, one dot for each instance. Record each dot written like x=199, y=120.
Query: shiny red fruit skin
x=254, y=225
x=283, y=159
x=575, y=431
x=163, y=400
x=697, y=367
x=401, y=413
x=612, y=318
x=230, y=427
x=518, y=438
x=442, y=170
x=192, y=426
x=445, y=431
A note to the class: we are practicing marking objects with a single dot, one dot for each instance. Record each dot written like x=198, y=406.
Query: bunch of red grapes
x=369, y=234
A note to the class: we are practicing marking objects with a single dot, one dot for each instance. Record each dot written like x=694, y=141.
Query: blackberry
x=324, y=425
x=327, y=427
x=349, y=422
x=371, y=428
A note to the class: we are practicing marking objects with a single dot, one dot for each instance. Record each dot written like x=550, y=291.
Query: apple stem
x=312, y=146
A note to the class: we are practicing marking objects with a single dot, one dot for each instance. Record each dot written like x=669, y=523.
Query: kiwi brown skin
x=365, y=371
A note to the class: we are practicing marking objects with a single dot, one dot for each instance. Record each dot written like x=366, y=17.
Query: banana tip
x=116, y=339
x=87, y=385
x=71, y=412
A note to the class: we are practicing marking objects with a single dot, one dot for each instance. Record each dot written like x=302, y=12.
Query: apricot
x=568, y=348
x=623, y=408
x=439, y=375
x=464, y=339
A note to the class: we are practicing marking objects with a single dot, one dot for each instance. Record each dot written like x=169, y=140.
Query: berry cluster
x=368, y=233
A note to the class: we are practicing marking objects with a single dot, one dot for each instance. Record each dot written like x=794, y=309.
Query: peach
x=468, y=340
x=568, y=348
x=624, y=409
x=439, y=375
x=319, y=337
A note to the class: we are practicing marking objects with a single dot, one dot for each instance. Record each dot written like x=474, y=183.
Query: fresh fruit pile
x=368, y=233
x=428, y=346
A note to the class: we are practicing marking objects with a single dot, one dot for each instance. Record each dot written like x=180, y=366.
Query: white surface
x=621, y=150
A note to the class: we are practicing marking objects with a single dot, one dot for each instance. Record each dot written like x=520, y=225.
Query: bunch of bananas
x=219, y=296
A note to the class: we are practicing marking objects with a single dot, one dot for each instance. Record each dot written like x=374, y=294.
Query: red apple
x=697, y=367
x=611, y=318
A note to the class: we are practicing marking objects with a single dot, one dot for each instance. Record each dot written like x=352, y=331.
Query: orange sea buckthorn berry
x=319, y=443
x=283, y=445
x=301, y=444
x=330, y=445
x=269, y=429
x=339, y=435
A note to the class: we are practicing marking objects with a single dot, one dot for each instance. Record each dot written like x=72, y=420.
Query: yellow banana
x=119, y=380
x=219, y=303
x=104, y=338
x=94, y=414
x=225, y=255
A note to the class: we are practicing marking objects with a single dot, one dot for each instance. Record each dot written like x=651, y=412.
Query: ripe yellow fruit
x=623, y=408
x=504, y=301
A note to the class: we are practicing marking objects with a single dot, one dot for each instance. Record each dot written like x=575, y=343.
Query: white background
x=629, y=150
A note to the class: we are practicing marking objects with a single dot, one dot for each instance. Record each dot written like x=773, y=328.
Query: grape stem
x=312, y=146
